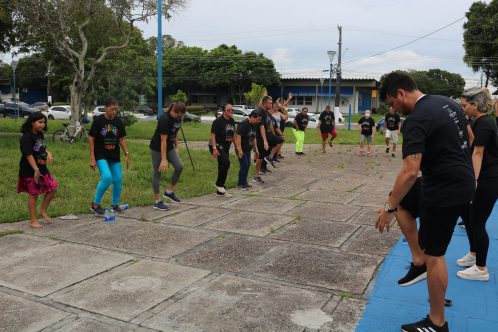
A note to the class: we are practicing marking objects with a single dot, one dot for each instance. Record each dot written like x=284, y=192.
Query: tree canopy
x=481, y=39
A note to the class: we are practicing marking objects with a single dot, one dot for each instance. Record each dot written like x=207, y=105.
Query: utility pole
x=338, y=71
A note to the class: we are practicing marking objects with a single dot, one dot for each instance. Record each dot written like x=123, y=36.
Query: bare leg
x=258, y=166
x=171, y=187
x=44, y=207
x=408, y=227
x=324, y=142
x=437, y=282
x=394, y=147
x=32, y=211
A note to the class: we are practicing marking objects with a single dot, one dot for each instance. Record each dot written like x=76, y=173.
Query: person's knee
x=178, y=167
x=106, y=179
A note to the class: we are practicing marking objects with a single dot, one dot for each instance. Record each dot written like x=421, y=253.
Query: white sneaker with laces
x=473, y=273
x=221, y=190
x=467, y=260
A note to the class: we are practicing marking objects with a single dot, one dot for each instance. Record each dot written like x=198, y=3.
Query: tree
x=180, y=96
x=437, y=81
x=7, y=31
x=480, y=39
x=255, y=94
x=64, y=26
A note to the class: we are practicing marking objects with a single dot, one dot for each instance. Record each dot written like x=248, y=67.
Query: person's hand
x=37, y=175
x=127, y=161
x=93, y=164
x=384, y=220
x=50, y=158
x=265, y=93
x=215, y=153
x=240, y=154
x=266, y=146
x=163, y=166
x=290, y=96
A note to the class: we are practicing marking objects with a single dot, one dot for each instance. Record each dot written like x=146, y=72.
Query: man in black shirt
x=391, y=126
x=222, y=132
x=326, y=126
x=367, y=134
x=436, y=143
x=244, y=140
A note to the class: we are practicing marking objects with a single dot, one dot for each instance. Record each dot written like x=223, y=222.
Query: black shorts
x=436, y=227
x=273, y=140
x=412, y=200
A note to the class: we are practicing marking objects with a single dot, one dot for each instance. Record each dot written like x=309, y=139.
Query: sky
x=298, y=34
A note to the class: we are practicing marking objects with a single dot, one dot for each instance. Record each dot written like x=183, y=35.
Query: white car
x=293, y=111
x=62, y=112
x=98, y=111
x=243, y=108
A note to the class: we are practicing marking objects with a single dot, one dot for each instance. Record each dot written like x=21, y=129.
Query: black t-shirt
x=107, y=134
x=366, y=126
x=326, y=121
x=247, y=133
x=392, y=121
x=485, y=134
x=166, y=125
x=35, y=145
x=265, y=121
x=302, y=121
x=437, y=128
x=223, y=130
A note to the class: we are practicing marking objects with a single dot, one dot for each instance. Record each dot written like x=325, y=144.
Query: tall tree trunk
x=76, y=90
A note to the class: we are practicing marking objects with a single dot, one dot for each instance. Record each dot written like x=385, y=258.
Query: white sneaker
x=221, y=190
x=473, y=273
x=467, y=260
x=218, y=194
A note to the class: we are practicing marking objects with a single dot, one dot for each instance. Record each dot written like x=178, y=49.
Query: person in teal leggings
x=107, y=134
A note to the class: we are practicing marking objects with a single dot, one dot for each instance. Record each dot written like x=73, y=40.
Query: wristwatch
x=388, y=209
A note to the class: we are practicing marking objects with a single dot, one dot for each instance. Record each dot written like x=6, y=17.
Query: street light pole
x=14, y=66
x=338, y=72
x=331, y=58
x=159, y=58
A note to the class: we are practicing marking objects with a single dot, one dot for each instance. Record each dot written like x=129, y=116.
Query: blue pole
x=159, y=58
x=330, y=84
x=349, y=117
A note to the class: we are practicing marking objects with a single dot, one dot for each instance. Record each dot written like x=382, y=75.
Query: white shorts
x=393, y=135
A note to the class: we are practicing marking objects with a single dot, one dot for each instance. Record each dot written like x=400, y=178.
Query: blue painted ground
x=475, y=303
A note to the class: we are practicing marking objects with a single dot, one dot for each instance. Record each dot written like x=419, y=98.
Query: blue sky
x=298, y=34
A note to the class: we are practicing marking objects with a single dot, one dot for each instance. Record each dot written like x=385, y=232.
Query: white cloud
x=281, y=57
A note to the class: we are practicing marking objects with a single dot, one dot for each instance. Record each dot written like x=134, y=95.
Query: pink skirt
x=46, y=184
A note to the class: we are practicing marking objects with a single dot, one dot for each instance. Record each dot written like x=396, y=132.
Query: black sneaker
x=161, y=206
x=247, y=185
x=172, y=197
x=424, y=325
x=97, y=208
x=414, y=275
x=265, y=170
x=276, y=160
x=258, y=179
x=242, y=187
x=117, y=209
x=387, y=150
x=270, y=161
x=461, y=224
x=393, y=155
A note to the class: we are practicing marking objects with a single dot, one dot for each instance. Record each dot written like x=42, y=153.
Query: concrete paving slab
x=55, y=267
x=372, y=242
x=366, y=216
x=371, y=200
x=142, y=238
x=18, y=314
x=20, y=245
x=251, y=223
x=126, y=293
x=285, y=190
x=91, y=325
x=324, y=211
x=316, y=232
x=263, y=204
x=322, y=267
x=345, y=183
x=232, y=254
x=212, y=200
x=346, y=315
x=59, y=227
x=148, y=213
x=328, y=196
x=235, y=304
x=195, y=217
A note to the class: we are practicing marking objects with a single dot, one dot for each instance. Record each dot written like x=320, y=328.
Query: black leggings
x=481, y=208
x=223, y=165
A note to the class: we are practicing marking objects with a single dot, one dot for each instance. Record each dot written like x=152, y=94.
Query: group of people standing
x=455, y=148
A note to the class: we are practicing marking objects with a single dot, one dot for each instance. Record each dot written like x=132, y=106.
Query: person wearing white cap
x=366, y=125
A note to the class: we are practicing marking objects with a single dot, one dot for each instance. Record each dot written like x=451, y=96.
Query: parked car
x=189, y=117
x=40, y=105
x=62, y=112
x=20, y=109
x=293, y=111
x=239, y=114
x=313, y=121
x=98, y=111
x=243, y=108
x=379, y=126
x=145, y=110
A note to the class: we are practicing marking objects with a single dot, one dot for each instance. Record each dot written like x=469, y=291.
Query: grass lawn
x=201, y=132
x=77, y=182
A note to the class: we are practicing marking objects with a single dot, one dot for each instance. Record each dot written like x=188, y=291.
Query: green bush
x=383, y=109
x=128, y=119
x=196, y=109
